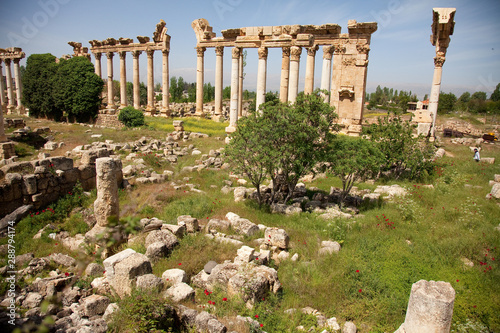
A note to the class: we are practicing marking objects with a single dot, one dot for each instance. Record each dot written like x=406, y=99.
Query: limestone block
x=180, y=292
x=430, y=307
x=349, y=327
x=239, y=193
x=32, y=300
x=94, y=305
x=156, y=251
x=126, y=272
x=62, y=259
x=216, y=224
x=94, y=269
x=162, y=236
x=107, y=203
x=29, y=185
x=202, y=319
x=243, y=226
x=215, y=326
x=488, y=160
x=110, y=310
x=109, y=263
x=495, y=191
x=277, y=237
x=177, y=230
x=245, y=254
x=149, y=282
x=209, y=266
x=332, y=324
x=174, y=276
x=189, y=222
x=101, y=285
x=496, y=178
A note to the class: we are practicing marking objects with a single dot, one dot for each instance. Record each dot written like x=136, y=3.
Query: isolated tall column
x=327, y=71
x=309, y=82
x=111, y=103
x=2, y=89
x=19, y=84
x=294, y=73
x=200, y=51
x=136, y=83
x=123, y=79
x=285, y=71
x=233, y=110
x=165, y=88
x=240, y=84
x=151, y=83
x=10, y=92
x=219, y=55
x=261, y=77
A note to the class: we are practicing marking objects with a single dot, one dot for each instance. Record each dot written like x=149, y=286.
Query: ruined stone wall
x=109, y=120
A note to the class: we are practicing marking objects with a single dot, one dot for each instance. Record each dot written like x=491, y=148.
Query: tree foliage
x=131, y=117
x=446, y=102
x=495, y=95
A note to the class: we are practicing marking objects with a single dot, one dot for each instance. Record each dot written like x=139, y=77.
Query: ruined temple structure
x=11, y=102
x=347, y=84
x=110, y=46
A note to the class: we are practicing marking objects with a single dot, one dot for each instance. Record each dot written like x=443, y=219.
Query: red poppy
x=357, y=271
x=224, y=299
x=256, y=316
x=261, y=325
x=360, y=290
x=180, y=263
x=66, y=274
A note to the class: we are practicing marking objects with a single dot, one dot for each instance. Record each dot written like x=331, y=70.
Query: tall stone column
x=309, y=82
x=165, y=84
x=135, y=77
x=111, y=102
x=293, y=89
x=435, y=88
x=123, y=79
x=200, y=51
x=240, y=84
x=10, y=91
x=285, y=71
x=261, y=77
x=233, y=111
x=219, y=55
x=326, y=71
x=19, y=85
x=151, y=83
x=2, y=89
x=97, y=68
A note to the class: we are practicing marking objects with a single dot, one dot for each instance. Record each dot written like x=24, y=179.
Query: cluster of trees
x=386, y=97
x=68, y=89
x=477, y=102
x=283, y=142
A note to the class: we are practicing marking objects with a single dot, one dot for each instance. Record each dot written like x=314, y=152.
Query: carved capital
x=219, y=50
x=340, y=49
x=165, y=52
x=7, y=61
x=109, y=55
x=200, y=51
x=262, y=51
x=363, y=48
x=98, y=55
x=150, y=53
x=350, y=61
x=236, y=52
x=439, y=60
x=295, y=51
x=122, y=54
x=285, y=51
x=328, y=51
x=16, y=61
x=136, y=54
x=311, y=51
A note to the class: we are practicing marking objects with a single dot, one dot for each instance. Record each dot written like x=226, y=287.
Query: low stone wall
x=108, y=120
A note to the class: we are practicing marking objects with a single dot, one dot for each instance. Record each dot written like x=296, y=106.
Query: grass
x=201, y=125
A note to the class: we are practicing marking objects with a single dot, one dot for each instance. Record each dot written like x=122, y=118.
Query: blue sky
x=401, y=54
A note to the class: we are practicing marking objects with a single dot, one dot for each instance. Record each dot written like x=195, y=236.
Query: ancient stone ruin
x=350, y=61
x=9, y=55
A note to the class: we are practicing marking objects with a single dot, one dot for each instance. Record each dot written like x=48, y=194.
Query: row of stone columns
x=135, y=68
x=11, y=102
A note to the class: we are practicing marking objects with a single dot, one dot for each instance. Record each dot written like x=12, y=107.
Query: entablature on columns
x=12, y=53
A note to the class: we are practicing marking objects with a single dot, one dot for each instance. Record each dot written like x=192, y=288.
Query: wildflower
x=357, y=271
x=256, y=316
x=180, y=263
x=261, y=325
x=360, y=290
x=224, y=299
x=66, y=274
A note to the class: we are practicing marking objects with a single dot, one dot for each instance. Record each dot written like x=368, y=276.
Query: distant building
x=418, y=106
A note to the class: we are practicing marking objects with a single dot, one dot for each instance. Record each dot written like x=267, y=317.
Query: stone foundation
x=108, y=120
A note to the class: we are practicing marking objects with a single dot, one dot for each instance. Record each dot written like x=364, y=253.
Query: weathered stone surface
x=180, y=292
x=277, y=237
x=32, y=300
x=202, y=319
x=391, y=191
x=94, y=305
x=126, y=272
x=245, y=254
x=219, y=225
x=107, y=203
x=329, y=247
x=209, y=266
x=157, y=250
x=174, y=276
x=110, y=310
x=239, y=193
x=149, y=282
x=109, y=263
x=94, y=269
x=177, y=230
x=349, y=327
x=215, y=326
x=189, y=222
x=332, y=324
x=242, y=226
x=101, y=285
x=495, y=191
x=162, y=236
x=62, y=259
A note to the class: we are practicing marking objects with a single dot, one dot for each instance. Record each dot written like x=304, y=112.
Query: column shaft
x=240, y=84
x=219, y=55
x=309, y=82
x=151, y=83
x=10, y=92
x=98, y=63
x=233, y=111
x=111, y=103
x=261, y=77
x=436, y=87
x=136, y=83
x=123, y=79
x=165, y=84
x=2, y=89
x=326, y=71
x=294, y=73
x=199, y=79
x=285, y=72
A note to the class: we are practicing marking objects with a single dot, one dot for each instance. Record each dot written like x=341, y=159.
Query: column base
x=150, y=110
x=230, y=129
x=10, y=109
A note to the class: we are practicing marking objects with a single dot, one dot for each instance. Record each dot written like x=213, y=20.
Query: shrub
x=131, y=117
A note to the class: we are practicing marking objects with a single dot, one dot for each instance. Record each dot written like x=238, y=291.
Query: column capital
x=236, y=52
x=439, y=60
x=219, y=50
x=262, y=51
x=363, y=48
x=295, y=51
x=17, y=60
x=109, y=55
x=328, y=52
x=7, y=61
x=136, y=54
x=311, y=51
x=98, y=55
x=150, y=53
x=165, y=52
x=122, y=54
x=200, y=51
x=340, y=49
x=285, y=51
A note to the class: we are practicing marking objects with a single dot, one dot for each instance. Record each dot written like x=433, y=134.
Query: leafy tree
x=446, y=102
x=159, y=97
x=158, y=87
x=481, y=95
x=208, y=92
x=130, y=93
x=352, y=159
x=143, y=94
x=465, y=97
x=405, y=155
x=192, y=93
x=38, y=81
x=495, y=96
x=426, y=97
x=226, y=92
x=77, y=89
x=131, y=117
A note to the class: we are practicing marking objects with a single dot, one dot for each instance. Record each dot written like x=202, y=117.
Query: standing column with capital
x=10, y=92
x=285, y=71
x=97, y=66
x=111, y=103
x=135, y=77
x=2, y=89
x=309, y=82
x=123, y=79
x=219, y=55
x=240, y=84
x=200, y=51
x=165, y=89
x=326, y=71
x=233, y=110
x=19, y=85
x=151, y=83
x=293, y=89
x=261, y=77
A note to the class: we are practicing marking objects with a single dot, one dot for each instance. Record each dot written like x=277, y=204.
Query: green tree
x=226, y=92
x=77, y=89
x=130, y=93
x=352, y=160
x=446, y=102
x=495, y=96
x=143, y=94
x=481, y=95
x=426, y=97
x=41, y=71
x=131, y=117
